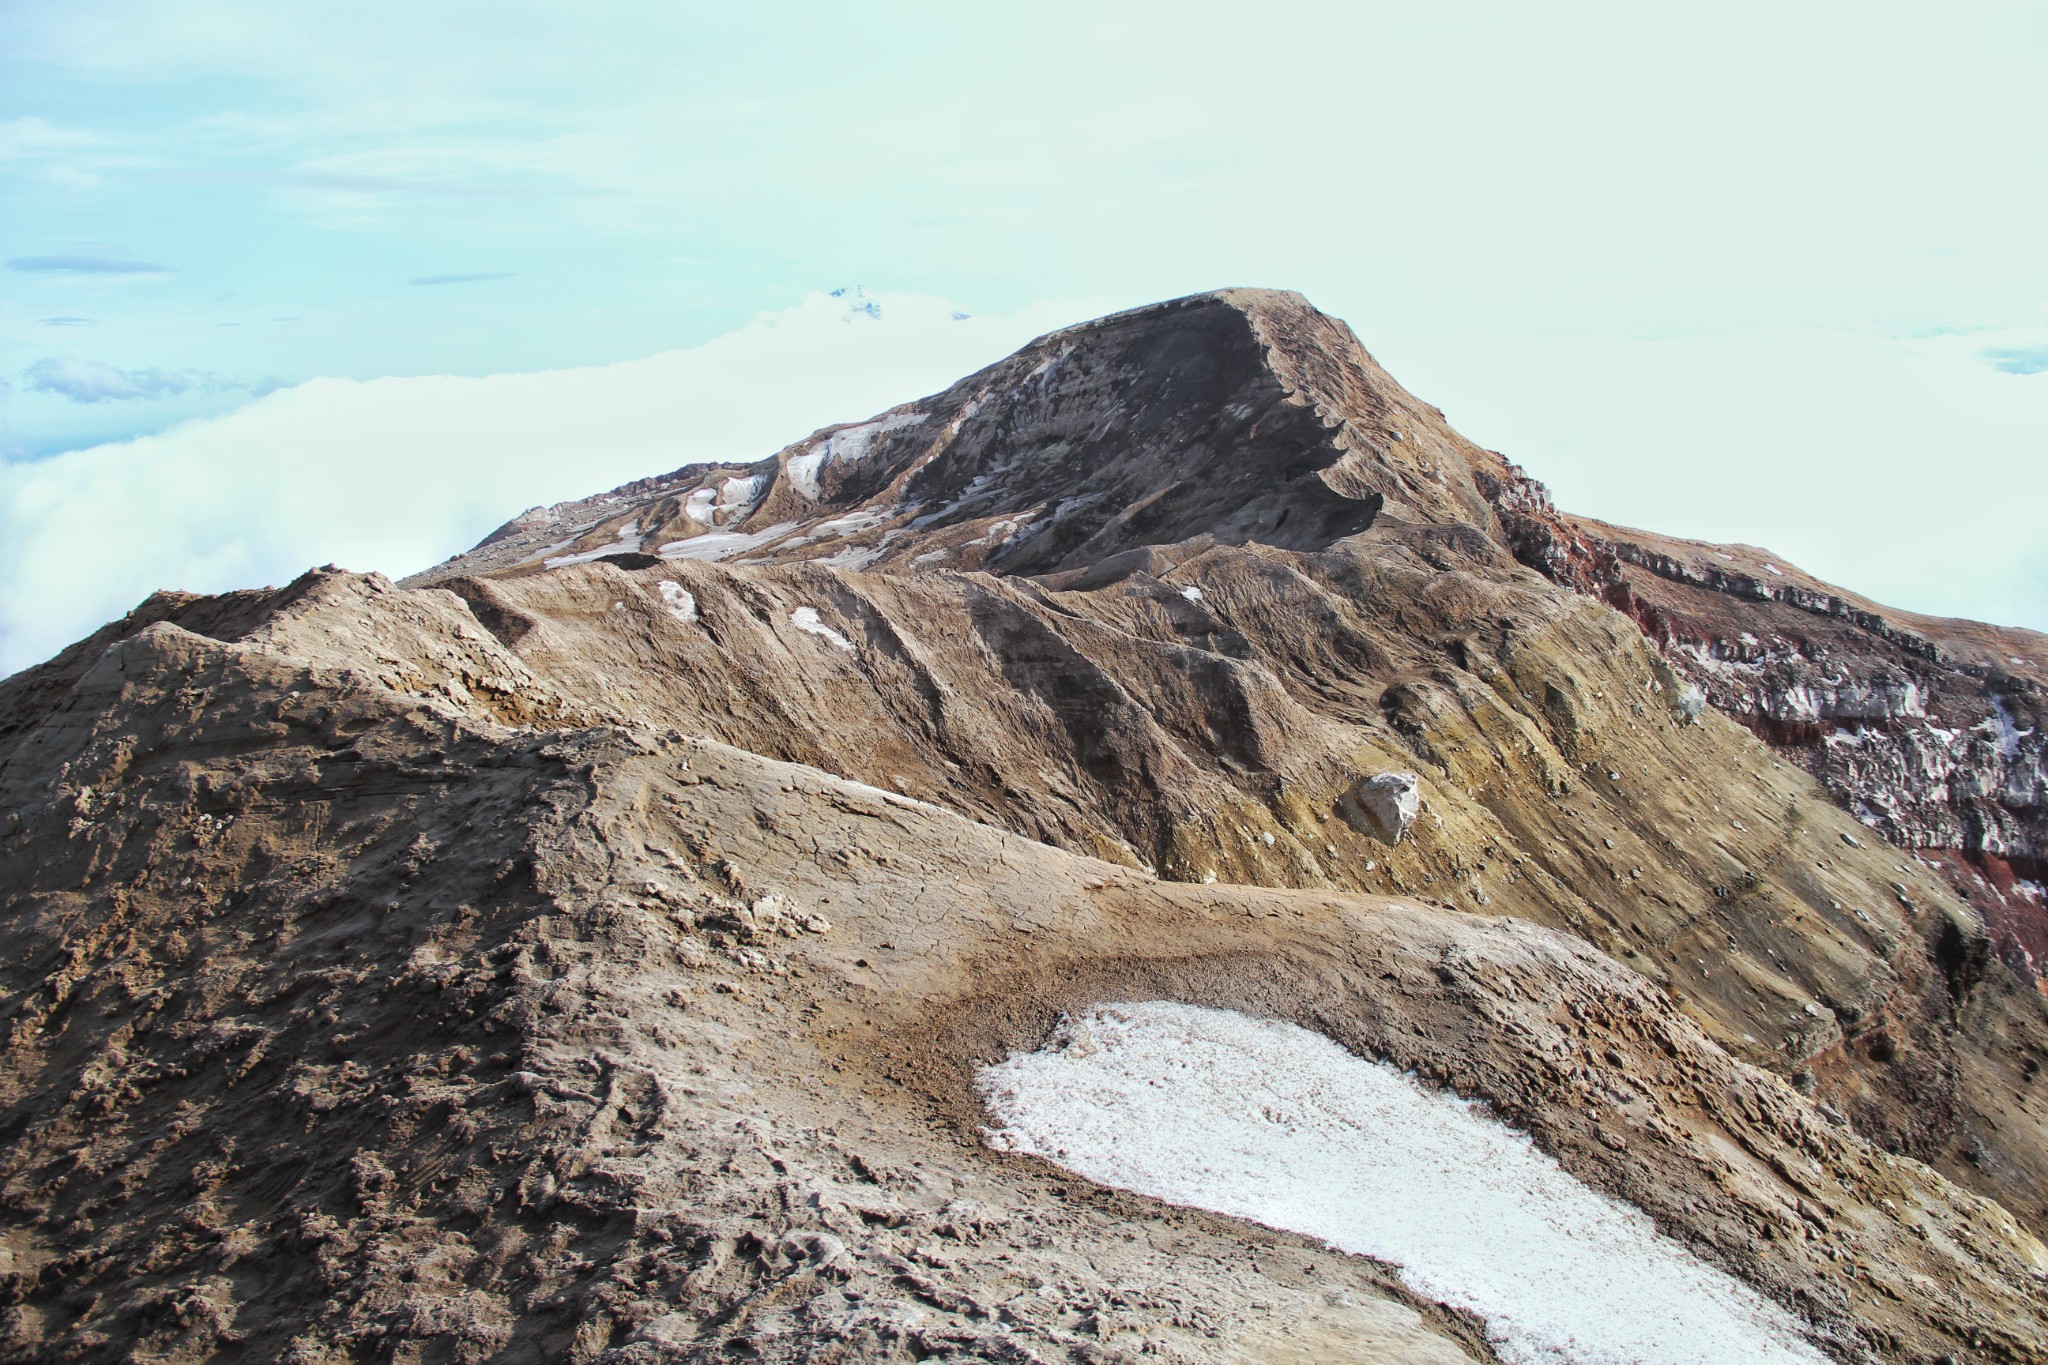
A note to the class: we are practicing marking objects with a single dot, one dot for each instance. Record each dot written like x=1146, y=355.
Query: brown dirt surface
x=591, y=962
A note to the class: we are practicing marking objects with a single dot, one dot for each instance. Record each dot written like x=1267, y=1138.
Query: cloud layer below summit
x=1843, y=458
x=396, y=474
x=1743, y=272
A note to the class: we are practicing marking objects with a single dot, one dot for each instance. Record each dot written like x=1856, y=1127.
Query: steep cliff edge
x=1930, y=731
x=584, y=950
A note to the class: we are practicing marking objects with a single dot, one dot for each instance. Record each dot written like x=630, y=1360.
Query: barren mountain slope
x=1248, y=416
x=585, y=950
x=1931, y=731
x=1186, y=684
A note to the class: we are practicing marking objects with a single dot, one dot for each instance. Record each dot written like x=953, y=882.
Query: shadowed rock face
x=591, y=961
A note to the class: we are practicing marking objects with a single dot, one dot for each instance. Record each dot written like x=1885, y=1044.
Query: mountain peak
x=1235, y=416
x=675, y=908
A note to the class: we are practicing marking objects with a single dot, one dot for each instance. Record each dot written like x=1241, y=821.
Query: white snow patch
x=837, y=528
x=999, y=532
x=853, y=557
x=697, y=507
x=966, y=415
x=1050, y=366
x=1266, y=1121
x=549, y=551
x=737, y=496
x=1192, y=593
x=628, y=540
x=724, y=544
x=2009, y=732
x=681, y=604
x=803, y=470
x=848, y=524
x=1772, y=568
x=848, y=445
x=806, y=619
x=980, y=488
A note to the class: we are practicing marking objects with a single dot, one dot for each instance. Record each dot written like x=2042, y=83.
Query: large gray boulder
x=1383, y=806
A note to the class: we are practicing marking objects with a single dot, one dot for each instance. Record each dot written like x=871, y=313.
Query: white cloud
x=25, y=138
x=88, y=381
x=396, y=474
x=86, y=265
x=1904, y=469
x=1907, y=469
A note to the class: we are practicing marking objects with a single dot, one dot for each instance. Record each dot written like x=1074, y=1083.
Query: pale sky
x=1758, y=272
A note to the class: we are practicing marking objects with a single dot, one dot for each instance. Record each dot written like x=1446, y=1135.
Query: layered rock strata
x=1930, y=731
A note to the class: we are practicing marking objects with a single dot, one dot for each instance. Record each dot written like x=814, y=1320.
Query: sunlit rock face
x=586, y=950
x=1934, y=733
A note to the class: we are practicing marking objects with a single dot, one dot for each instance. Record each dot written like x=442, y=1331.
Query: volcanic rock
x=1930, y=731
x=1384, y=806
x=585, y=950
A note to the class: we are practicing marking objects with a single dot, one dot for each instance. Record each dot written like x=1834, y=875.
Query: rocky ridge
x=1931, y=731
x=584, y=949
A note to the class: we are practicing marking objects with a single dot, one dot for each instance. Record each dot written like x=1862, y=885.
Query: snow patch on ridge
x=724, y=544
x=848, y=445
x=1265, y=1121
x=698, y=506
x=627, y=541
x=681, y=604
x=806, y=619
x=740, y=491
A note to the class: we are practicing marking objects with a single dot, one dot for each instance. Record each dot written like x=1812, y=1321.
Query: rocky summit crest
x=587, y=949
x=1232, y=417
